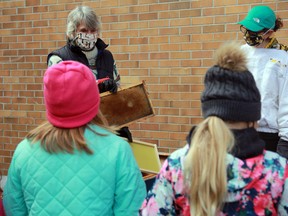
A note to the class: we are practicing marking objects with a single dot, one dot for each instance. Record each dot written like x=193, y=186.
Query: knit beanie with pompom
x=230, y=91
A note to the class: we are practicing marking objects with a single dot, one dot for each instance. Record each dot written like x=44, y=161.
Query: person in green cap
x=259, y=27
x=268, y=62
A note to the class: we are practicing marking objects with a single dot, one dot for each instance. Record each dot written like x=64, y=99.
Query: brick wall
x=167, y=43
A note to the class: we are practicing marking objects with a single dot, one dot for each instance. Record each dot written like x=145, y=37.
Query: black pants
x=271, y=140
x=282, y=148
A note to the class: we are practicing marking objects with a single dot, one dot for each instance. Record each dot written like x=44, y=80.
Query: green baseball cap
x=259, y=18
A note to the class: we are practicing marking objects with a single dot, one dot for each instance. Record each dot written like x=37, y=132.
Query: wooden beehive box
x=128, y=105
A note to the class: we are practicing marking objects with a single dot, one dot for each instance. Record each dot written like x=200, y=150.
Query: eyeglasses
x=244, y=31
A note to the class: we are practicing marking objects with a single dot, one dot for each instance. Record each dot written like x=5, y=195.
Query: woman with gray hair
x=85, y=46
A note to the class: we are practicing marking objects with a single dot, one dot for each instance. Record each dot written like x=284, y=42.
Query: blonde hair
x=205, y=166
x=54, y=139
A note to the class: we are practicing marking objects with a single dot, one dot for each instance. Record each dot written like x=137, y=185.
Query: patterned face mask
x=86, y=41
x=252, y=38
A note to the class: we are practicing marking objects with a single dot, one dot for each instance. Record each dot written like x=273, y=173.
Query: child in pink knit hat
x=73, y=164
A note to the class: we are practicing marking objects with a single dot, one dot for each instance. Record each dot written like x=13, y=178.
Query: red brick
x=169, y=45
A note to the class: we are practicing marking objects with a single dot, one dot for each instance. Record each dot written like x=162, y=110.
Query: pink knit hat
x=71, y=94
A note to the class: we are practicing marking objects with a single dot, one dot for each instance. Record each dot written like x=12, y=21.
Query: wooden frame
x=128, y=105
x=146, y=155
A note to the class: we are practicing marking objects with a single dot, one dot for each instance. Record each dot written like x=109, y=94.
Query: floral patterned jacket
x=257, y=183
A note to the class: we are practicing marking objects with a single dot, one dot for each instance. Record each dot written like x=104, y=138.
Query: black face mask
x=252, y=38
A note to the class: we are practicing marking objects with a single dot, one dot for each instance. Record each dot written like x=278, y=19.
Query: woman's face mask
x=86, y=41
x=252, y=38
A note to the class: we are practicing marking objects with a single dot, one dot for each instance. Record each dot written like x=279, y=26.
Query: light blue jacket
x=108, y=182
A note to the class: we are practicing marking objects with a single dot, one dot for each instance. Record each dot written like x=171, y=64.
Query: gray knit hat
x=230, y=90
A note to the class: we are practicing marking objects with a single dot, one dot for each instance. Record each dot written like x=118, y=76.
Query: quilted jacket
x=108, y=182
x=257, y=182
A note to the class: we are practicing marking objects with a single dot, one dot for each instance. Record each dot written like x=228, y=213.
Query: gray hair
x=85, y=15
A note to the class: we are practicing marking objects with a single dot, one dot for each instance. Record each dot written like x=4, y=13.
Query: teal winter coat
x=106, y=183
